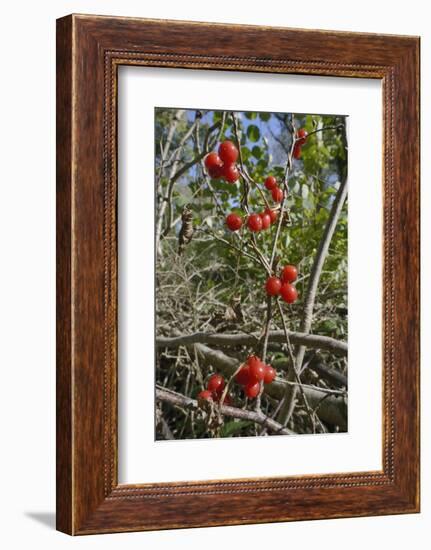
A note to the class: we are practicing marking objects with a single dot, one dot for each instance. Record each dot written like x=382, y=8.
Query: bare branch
x=332, y=408
x=275, y=336
x=329, y=374
x=177, y=399
x=310, y=297
x=175, y=174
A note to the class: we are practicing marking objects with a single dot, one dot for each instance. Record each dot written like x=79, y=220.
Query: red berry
x=252, y=359
x=289, y=293
x=289, y=274
x=228, y=152
x=213, y=164
x=243, y=375
x=257, y=370
x=272, y=214
x=204, y=395
x=252, y=389
x=270, y=374
x=273, y=285
x=277, y=194
x=296, y=151
x=230, y=173
x=270, y=183
x=266, y=220
x=216, y=383
x=301, y=136
x=215, y=172
x=254, y=222
x=234, y=222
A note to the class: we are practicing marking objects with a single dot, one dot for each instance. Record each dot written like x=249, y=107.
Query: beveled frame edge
x=89, y=499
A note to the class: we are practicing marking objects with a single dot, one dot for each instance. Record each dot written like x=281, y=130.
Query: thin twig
x=293, y=371
x=315, y=341
x=179, y=400
x=265, y=335
x=175, y=174
x=310, y=297
x=333, y=410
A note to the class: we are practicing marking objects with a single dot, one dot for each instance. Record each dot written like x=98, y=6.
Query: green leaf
x=251, y=116
x=234, y=426
x=253, y=133
x=256, y=152
x=328, y=326
x=246, y=153
x=265, y=116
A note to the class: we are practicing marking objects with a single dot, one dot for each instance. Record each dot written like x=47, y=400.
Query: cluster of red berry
x=276, y=192
x=262, y=221
x=214, y=391
x=223, y=163
x=252, y=374
x=301, y=138
x=255, y=222
x=283, y=285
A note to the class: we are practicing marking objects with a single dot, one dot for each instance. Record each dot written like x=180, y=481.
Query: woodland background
x=211, y=306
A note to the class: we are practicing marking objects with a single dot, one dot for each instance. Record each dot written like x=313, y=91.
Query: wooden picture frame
x=89, y=51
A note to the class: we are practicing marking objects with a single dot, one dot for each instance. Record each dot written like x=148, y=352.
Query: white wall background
x=27, y=297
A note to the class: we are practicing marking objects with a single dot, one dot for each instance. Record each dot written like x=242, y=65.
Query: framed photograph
x=237, y=274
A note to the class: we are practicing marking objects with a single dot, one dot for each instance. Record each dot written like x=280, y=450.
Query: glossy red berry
x=254, y=222
x=254, y=364
x=230, y=173
x=216, y=383
x=214, y=165
x=289, y=274
x=266, y=220
x=216, y=172
x=301, y=136
x=252, y=359
x=233, y=221
x=228, y=152
x=204, y=395
x=252, y=389
x=289, y=293
x=272, y=214
x=272, y=286
x=296, y=151
x=270, y=374
x=277, y=194
x=243, y=375
x=270, y=183
x=257, y=371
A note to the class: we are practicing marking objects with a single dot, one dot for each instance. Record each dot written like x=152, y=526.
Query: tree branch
x=274, y=336
x=310, y=297
x=177, y=399
x=329, y=374
x=174, y=175
x=331, y=409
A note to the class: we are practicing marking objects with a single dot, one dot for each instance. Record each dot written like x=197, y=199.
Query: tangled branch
x=275, y=336
x=173, y=398
x=313, y=282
